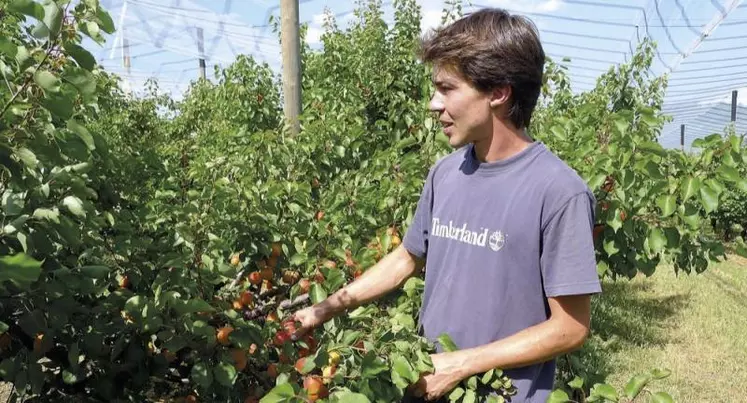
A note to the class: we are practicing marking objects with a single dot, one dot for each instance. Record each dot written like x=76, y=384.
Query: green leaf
x=610, y=247
x=202, y=375
x=105, y=21
x=81, y=79
x=3, y=327
x=192, y=306
x=95, y=271
x=13, y=203
x=577, y=382
x=728, y=173
x=635, y=385
x=709, y=197
x=52, y=18
x=346, y=396
x=596, y=181
x=75, y=205
x=83, y=57
x=606, y=391
x=91, y=28
x=661, y=397
x=21, y=270
x=447, y=344
x=690, y=187
x=28, y=7
x=558, y=396
x=487, y=376
x=225, y=373
x=659, y=373
x=317, y=293
x=372, y=365
x=49, y=82
x=82, y=132
x=667, y=204
x=8, y=48
x=404, y=369
x=456, y=394
x=281, y=393
x=52, y=215
x=469, y=396
x=656, y=240
x=28, y=157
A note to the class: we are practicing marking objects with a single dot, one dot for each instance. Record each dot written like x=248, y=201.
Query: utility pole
x=291, y=49
x=201, y=51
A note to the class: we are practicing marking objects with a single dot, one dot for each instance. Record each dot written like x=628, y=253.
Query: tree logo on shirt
x=497, y=240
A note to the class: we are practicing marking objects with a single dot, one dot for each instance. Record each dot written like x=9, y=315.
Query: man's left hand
x=447, y=374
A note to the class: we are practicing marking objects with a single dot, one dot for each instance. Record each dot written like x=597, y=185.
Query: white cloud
x=314, y=35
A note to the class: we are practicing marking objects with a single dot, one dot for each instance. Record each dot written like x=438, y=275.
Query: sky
x=701, y=44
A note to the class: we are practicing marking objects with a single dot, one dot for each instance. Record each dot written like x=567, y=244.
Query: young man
x=503, y=227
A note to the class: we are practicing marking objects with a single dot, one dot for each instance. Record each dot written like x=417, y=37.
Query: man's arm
x=389, y=273
x=566, y=330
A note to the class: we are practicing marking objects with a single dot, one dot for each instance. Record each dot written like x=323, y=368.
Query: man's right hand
x=309, y=318
x=389, y=273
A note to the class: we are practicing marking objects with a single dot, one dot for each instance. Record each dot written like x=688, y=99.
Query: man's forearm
x=533, y=345
x=389, y=273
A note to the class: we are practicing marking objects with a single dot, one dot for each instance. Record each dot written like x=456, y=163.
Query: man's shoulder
x=560, y=177
x=448, y=162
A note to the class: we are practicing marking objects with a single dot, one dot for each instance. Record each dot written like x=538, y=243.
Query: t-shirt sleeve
x=568, y=260
x=416, y=237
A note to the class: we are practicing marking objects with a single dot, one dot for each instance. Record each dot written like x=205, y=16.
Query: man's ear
x=500, y=96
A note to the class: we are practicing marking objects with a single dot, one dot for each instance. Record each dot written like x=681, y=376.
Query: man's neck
x=505, y=142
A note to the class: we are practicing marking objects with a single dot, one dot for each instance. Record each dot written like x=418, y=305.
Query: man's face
x=464, y=112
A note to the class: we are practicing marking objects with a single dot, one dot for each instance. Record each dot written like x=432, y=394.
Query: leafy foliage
x=151, y=248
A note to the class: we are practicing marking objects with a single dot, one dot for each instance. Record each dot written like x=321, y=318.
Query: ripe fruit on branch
x=598, y=230
x=272, y=370
x=255, y=278
x=124, y=282
x=38, y=340
x=276, y=249
x=291, y=277
x=329, y=264
x=239, y=359
x=396, y=241
x=267, y=274
x=314, y=387
x=222, y=335
x=235, y=261
x=609, y=184
x=328, y=372
x=299, y=364
x=623, y=215
x=246, y=298
x=304, y=285
x=281, y=337
x=319, y=215
x=334, y=358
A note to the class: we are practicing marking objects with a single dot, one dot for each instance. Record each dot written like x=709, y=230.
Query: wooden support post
x=734, y=106
x=201, y=51
x=291, y=49
x=682, y=137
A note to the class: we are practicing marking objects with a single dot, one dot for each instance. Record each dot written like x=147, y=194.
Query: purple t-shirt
x=499, y=238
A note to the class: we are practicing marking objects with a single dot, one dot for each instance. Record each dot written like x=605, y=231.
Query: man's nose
x=436, y=104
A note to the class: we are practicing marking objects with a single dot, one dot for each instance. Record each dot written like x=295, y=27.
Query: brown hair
x=491, y=48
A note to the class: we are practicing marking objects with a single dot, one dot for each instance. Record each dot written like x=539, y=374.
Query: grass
x=694, y=325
